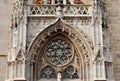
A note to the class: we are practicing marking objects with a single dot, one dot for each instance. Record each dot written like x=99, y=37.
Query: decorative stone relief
x=42, y=10
x=76, y=10
x=72, y=35
x=37, y=25
x=40, y=22
x=59, y=26
x=78, y=21
x=68, y=10
x=17, y=11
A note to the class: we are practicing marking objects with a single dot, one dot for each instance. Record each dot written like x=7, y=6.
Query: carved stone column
x=59, y=76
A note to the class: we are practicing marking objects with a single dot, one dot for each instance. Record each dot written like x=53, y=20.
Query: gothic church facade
x=59, y=40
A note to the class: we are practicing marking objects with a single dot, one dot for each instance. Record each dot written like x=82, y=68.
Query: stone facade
x=92, y=28
x=5, y=22
x=114, y=35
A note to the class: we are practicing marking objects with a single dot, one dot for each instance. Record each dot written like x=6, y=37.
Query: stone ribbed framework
x=82, y=55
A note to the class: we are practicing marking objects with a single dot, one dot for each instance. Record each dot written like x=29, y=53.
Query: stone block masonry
x=113, y=13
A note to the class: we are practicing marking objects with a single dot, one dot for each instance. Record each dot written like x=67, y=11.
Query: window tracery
x=59, y=52
x=70, y=73
x=48, y=73
x=59, y=60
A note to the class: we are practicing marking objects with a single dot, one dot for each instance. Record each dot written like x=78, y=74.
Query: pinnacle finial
x=59, y=9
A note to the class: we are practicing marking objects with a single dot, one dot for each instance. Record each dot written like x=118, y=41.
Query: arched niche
x=81, y=51
x=19, y=66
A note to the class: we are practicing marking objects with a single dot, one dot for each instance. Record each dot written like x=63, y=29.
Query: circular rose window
x=59, y=52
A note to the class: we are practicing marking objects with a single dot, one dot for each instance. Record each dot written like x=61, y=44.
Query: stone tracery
x=65, y=31
x=59, y=52
x=48, y=73
x=63, y=71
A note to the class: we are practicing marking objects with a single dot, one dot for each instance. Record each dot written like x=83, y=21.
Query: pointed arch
x=75, y=35
x=19, y=68
x=20, y=54
x=47, y=72
x=62, y=31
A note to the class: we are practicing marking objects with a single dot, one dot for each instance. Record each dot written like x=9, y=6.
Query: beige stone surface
x=5, y=18
x=114, y=33
x=3, y=65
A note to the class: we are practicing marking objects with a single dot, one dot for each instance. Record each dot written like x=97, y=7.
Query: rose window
x=59, y=52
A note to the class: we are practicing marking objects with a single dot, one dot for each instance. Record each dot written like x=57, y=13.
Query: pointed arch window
x=70, y=73
x=59, y=58
x=48, y=73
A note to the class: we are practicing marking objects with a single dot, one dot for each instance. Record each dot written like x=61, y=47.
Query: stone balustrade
x=68, y=10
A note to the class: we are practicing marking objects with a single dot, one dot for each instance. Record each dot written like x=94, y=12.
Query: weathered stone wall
x=5, y=17
x=113, y=11
x=3, y=60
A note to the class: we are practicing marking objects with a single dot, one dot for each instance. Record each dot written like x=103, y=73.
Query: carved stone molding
x=78, y=21
x=40, y=26
x=59, y=25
